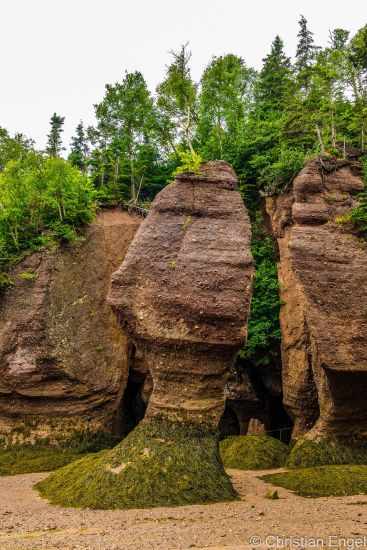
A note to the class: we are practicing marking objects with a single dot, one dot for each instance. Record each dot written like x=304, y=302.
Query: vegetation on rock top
x=323, y=481
x=253, y=452
x=158, y=464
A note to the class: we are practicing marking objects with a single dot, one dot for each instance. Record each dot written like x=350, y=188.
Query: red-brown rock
x=322, y=272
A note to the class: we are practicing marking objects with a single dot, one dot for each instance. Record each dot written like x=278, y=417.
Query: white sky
x=57, y=55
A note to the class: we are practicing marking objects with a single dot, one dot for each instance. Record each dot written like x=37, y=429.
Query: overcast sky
x=57, y=55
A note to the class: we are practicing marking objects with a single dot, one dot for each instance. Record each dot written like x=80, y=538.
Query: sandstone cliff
x=322, y=272
x=63, y=356
x=182, y=295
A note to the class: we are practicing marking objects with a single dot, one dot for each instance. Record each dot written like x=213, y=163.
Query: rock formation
x=322, y=272
x=183, y=292
x=182, y=295
x=63, y=357
x=253, y=402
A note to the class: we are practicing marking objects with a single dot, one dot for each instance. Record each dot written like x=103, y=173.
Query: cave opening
x=135, y=398
x=254, y=404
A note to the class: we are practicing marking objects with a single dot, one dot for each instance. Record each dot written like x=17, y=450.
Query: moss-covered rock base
x=30, y=459
x=307, y=453
x=324, y=481
x=253, y=452
x=158, y=464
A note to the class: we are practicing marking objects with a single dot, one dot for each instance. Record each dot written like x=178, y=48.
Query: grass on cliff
x=26, y=460
x=158, y=464
x=253, y=452
x=307, y=453
x=323, y=481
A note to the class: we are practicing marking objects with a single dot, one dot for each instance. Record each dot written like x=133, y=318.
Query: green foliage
x=5, y=281
x=13, y=148
x=79, y=148
x=189, y=162
x=177, y=102
x=263, y=342
x=126, y=159
x=224, y=101
x=358, y=215
x=277, y=176
x=306, y=453
x=54, y=143
x=39, y=198
x=27, y=276
x=253, y=452
x=157, y=464
x=323, y=482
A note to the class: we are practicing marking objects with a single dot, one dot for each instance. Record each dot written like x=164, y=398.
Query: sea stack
x=182, y=295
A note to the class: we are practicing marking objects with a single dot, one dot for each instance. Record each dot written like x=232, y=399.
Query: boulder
x=322, y=269
x=63, y=356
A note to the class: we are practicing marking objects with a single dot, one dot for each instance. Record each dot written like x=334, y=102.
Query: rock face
x=182, y=295
x=253, y=403
x=183, y=292
x=63, y=356
x=322, y=272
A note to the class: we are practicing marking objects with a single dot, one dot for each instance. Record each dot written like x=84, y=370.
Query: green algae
x=307, y=453
x=158, y=464
x=253, y=452
x=30, y=459
x=323, y=481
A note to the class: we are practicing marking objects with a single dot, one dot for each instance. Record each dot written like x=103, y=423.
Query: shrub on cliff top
x=306, y=453
x=157, y=464
x=253, y=452
x=324, y=481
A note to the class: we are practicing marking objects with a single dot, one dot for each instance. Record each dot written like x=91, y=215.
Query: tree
x=274, y=84
x=41, y=198
x=224, y=103
x=176, y=101
x=79, y=148
x=126, y=121
x=13, y=148
x=305, y=54
x=54, y=144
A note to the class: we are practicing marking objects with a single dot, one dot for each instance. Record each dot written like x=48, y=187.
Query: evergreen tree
x=274, y=83
x=54, y=144
x=305, y=55
x=79, y=148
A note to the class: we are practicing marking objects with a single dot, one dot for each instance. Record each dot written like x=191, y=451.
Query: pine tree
x=79, y=148
x=306, y=51
x=54, y=144
x=275, y=80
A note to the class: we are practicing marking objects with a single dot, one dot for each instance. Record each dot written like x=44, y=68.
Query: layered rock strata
x=182, y=295
x=63, y=356
x=322, y=271
x=183, y=292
